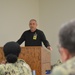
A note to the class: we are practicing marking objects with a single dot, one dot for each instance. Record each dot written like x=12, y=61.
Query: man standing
x=67, y=50
x=34, y=36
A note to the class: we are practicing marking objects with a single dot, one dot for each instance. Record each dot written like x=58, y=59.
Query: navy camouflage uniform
x=67, y=68
x=18, y=68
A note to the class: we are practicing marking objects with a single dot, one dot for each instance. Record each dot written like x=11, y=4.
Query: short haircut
x=67, y=36
x=33, y=20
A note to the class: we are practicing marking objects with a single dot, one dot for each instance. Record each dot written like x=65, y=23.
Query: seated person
x=67, y=50
x=13, y=65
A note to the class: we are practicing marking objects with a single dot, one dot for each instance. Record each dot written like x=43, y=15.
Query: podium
x=37, y=57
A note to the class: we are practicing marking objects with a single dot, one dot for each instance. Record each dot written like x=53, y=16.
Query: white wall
x=52, y=14
x=15, y=15
x=14, y=18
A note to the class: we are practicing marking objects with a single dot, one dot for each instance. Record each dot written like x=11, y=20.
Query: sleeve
x=59, y=71
x=1, y=70
x=44, y=40
x=27, y=69
x=22, y=39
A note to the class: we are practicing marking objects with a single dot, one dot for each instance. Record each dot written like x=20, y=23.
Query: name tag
x=35, y=36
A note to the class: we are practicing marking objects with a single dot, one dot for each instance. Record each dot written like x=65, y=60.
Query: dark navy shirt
x=33, y=38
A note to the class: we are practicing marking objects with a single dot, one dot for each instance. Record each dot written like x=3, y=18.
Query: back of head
x=11, y=51
x=67, y=36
